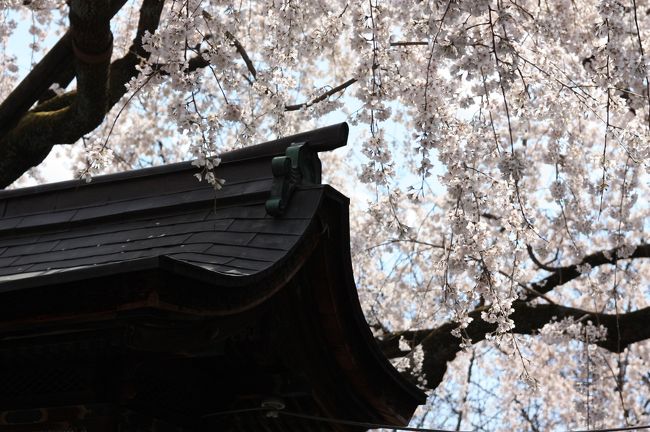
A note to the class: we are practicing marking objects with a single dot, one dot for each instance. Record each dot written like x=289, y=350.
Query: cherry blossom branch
x=193, y=64
x=503, y=90
x=537, y=262
x=407, y=240
x=468, y=381
x=526, y=287
x=638, y=35
x=321, y=97
x=489, y=109
x=408, y=43
x=430, y=60
x=125, y=68
x=619, y=382
x=242, y=52
x=251, y=68
x=498, y=63
x=603, y=184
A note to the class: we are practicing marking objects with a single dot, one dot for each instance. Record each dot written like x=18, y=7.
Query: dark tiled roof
x=137, y=216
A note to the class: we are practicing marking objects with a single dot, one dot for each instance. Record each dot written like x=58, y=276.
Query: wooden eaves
x=147, y=300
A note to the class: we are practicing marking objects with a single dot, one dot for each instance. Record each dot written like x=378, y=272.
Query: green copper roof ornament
x=299, y=166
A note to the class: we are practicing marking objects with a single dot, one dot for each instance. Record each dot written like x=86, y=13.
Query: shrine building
x=149, y=301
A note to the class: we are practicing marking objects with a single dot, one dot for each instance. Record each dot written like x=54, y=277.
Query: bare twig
x=408, y=43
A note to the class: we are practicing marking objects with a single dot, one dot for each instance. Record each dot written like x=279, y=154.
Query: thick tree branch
x=440, y=346
x=562, y=275
x=55, y=66
x=34, y=84
x=62, y=79
x=56, y=103
x=66, y=118
x=29, y=142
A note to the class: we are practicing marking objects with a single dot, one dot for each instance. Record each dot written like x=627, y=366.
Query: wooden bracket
x=299, y=166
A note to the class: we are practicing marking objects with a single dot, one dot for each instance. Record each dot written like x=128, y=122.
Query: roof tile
x=158, y=212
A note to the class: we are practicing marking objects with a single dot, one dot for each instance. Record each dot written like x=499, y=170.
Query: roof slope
x=69, y=226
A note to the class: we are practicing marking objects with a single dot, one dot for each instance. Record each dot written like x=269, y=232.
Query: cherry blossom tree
x=500, y=177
